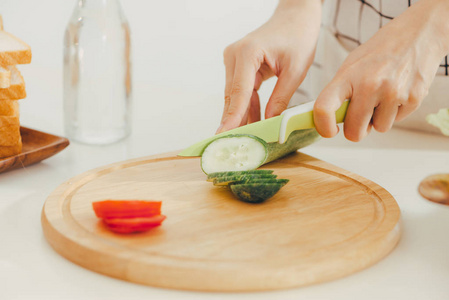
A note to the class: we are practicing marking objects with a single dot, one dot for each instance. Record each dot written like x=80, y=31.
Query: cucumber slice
x=252, y=186
x=281, y=181
x=221, y=181
x=255, y=192
x=244, y=152
x=212, y=176
x=233, y=153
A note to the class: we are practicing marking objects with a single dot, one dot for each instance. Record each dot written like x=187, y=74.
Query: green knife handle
x=301, y=117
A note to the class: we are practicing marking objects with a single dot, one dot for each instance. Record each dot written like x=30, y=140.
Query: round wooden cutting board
x=324, y=224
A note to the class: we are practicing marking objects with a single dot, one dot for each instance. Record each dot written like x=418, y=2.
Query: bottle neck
x=97, y=9
x=99, y=4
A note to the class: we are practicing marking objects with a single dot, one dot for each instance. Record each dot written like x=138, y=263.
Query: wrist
x=298, y=14
x=441, y=24
x=435, y=14
x=292, y=9
x=296, y=4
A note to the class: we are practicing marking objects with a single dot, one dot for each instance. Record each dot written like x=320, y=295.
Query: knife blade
x=275, y=129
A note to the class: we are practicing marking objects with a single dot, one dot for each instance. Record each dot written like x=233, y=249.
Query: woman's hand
x=387, y=77
x=284, y=47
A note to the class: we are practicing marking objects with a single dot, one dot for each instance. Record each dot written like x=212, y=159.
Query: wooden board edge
x=51, y=233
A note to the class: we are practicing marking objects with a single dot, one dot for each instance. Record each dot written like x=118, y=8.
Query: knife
x=275, y=129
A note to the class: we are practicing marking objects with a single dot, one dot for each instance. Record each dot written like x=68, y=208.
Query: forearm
x=296, y=4
x=288, y=9
x=434, y=16
x=441, y=22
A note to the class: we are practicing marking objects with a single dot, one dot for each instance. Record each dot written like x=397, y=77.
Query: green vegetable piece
x=247, y=152
x=298, y=139
x=255, y=192
x=233, y=153
x=221, y=181
x=212, y=176
x=265, y=180
x=440, y=120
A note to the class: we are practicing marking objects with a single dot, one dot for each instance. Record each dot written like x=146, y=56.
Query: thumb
x=283, y=91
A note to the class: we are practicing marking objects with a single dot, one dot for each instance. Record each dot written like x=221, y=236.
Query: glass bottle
x=97, y=73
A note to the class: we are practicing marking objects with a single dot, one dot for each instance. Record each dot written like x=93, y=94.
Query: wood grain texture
x=36, y=146
x=324, y=224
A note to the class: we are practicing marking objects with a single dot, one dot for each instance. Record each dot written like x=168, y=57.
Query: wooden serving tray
x=36, y=146
x=324, y=224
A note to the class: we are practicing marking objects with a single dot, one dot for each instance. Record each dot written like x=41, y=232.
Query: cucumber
x=241, y=178
x=250, y=186
x=233, y=153
x=265, y=180
x=242, y=152
x=298, y=139
x=212, y=176
x=255, y=192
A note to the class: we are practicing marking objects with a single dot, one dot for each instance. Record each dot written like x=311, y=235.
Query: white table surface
x=178, y=83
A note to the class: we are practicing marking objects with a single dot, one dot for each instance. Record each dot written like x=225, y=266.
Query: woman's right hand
x=284, y=47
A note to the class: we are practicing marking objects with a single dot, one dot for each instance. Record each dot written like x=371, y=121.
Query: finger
x=229, y=66
x=254, y=109
x=327, y=103
x=384, y=116
x=254, y=106
x=241, y=91
x=253, y=112
x=358, y=117
x=244, y=120
x=283, y=91
x=407, y=108
x=403, y=112
x=260, y=77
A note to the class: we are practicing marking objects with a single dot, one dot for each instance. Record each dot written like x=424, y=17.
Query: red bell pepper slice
x=111, y=209
x=130, y=225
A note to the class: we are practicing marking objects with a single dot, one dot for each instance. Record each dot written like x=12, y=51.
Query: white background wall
x=176, y=44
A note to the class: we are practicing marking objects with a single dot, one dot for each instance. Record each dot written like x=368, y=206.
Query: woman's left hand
x=387, y=77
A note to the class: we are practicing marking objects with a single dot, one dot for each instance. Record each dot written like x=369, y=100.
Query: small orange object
x=126, y=209
x=131, y=225
x=128, y=216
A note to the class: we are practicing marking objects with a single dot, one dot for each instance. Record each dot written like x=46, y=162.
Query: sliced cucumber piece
x=264, y=180
x=247, y=152
x=242, y=178
x=214, y=175
x=233, y=153
x=255, y=192
x=251, y=186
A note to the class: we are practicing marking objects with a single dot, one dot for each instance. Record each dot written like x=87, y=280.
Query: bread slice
x=16, y=90
x=8, y=121
x=11, y=150
x=9, y=108
x=9, y=135
x=5, y=77
x=9, y=130
x=13, y=51
x=5, y=74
